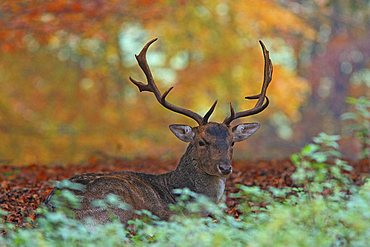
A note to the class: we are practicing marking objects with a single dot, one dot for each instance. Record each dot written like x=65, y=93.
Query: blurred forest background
x=64, y=68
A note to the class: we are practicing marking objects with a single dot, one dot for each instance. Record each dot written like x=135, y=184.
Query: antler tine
x=261, y=103
x=232, y=112
x=209, y=113
x=152, y=87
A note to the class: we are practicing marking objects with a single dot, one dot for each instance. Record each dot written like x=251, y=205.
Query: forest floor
x=24, y=188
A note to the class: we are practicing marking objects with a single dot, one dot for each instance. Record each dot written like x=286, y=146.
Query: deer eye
x=232, y=144
x=202, y=143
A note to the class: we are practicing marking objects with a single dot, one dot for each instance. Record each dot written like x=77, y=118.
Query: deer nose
x=225, y=168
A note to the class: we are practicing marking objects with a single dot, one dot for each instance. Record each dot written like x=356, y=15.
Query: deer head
x=210, y=144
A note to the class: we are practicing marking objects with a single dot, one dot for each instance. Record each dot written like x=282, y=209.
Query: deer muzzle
x=224, y=167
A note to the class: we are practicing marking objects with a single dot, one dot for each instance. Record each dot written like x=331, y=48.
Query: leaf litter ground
x=24, y=188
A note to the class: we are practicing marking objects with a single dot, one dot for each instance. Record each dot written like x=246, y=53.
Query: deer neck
x=188, y=174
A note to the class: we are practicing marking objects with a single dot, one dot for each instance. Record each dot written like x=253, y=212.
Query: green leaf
x=309, y=149
x=348, y=116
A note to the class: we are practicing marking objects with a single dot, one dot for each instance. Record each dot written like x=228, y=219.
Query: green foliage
x=326, y=210
x=319, y=167
x=360, y=122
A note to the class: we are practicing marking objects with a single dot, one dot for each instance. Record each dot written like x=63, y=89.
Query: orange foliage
x=64, y=90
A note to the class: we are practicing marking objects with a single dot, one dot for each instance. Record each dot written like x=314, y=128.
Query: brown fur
x=197, y=170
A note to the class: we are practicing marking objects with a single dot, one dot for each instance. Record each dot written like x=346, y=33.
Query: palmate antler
x=261, y=103
x=152, y=87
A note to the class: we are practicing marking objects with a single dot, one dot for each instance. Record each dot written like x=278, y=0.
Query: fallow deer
x=203, y=168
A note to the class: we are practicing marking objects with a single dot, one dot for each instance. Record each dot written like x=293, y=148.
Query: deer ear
x=244, y=130
x=183, y=132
